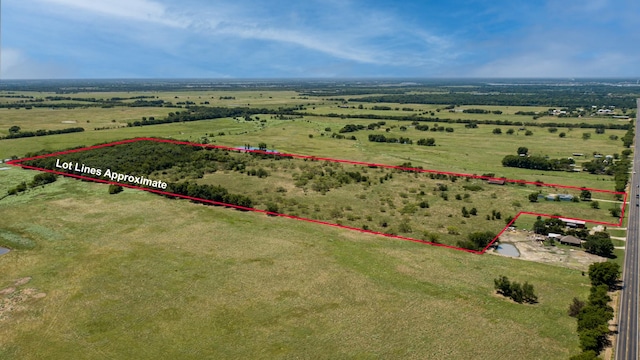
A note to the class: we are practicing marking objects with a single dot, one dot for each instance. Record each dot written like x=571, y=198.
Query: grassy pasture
x=508, y=112
x=167, y=278
x=135, y=275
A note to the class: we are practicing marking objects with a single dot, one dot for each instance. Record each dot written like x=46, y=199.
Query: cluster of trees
x=340, y=136
x=621, y=172
x=599, y=244
x=427, y=142
x=467, y=213
x=38, y=180
x=195, y=113
x=477, y=240
x=353, y=127
x=382, y=138
x=15, y=132
x=541, y=97
x=537, y=163
x=76, y=102
x=415, y=117
x=594, y=315
x=519, y=293
x=324, y=179
x=209, y=192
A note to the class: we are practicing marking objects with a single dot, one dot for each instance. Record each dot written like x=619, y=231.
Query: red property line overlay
x=19, y=162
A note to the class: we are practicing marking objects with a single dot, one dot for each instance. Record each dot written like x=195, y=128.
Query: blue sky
x=331, y=38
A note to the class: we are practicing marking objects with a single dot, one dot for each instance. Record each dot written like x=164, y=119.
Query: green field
x=136, y=275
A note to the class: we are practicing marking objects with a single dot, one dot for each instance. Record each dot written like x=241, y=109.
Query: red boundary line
x=19, y=162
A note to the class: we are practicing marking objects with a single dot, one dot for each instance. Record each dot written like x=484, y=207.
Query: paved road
x=627, y=344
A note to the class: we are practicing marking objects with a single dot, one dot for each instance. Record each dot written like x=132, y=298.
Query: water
x=508, y=249
x=3, y=250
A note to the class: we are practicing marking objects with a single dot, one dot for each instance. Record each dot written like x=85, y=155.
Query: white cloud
x=555, y=65
x=17, y=65
x=141, y=10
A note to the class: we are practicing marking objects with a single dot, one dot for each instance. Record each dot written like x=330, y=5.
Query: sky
x=79, y=39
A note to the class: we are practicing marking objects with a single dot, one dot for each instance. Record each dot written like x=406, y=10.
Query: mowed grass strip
x=135, y=275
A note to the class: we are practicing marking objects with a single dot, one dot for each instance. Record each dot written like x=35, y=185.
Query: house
x=556, y=112
x=572, y=223
x=570, y=240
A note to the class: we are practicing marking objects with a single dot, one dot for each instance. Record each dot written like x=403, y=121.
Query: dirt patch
x=22, y=281
x=14, y=299
x=7, y=291
x=532, y=249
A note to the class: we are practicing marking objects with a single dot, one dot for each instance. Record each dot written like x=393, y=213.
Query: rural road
x=627, y=343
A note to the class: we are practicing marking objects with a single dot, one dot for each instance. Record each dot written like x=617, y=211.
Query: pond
x=508, y=249
x=3, y=250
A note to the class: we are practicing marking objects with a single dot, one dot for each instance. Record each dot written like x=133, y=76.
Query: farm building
x=570, y=240
x=572, y=223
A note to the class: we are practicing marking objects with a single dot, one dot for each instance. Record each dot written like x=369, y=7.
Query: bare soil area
x=532, y=249
x=13, y=298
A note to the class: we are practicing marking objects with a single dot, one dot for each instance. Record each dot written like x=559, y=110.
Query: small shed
x=570, y=240
x=495, y=181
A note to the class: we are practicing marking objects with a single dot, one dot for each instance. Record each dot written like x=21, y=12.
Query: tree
x=599, y=244
x=528, y=133
x=262, y=146
x=517, y=293
x=510, y=132
x=523, y=150
x=465, y=212
x=615, y=212
x=586, y=136
x=575, y=307
x=14, y=129
x=599, y=296
x=595, y=204
x=114, y=189
x=503, y=285
x=528, y=293
x=533, y=197
x=497, y=131
x=606, y=273
x=561, y=135
x=591, y=317
x=594, y=339
x=585, y=195
x=473, y=211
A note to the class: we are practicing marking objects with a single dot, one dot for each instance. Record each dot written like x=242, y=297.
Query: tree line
x=594, y=315
x=23, y=134
x=415, y=117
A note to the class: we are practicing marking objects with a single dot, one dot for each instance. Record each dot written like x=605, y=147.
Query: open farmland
x=139, y=275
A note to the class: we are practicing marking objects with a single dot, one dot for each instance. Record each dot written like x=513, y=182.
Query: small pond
x=3, y=250
x=508, y=249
